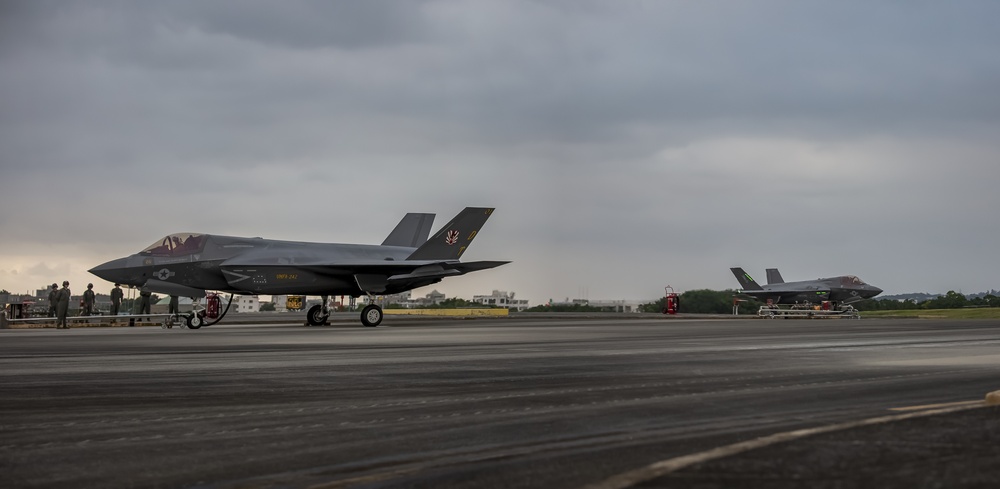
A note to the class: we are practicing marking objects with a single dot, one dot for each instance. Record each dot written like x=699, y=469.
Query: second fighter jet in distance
x=844, y=289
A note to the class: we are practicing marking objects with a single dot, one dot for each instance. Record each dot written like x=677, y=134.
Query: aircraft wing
x=400, y=270
x=169, y=288
x=375, y=276
x=796, y=294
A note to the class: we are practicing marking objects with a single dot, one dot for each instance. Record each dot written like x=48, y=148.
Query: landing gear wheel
x=194, y=321
x=315, y=316
x=371, y=316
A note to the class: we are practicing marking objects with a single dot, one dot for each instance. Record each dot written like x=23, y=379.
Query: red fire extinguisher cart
x=212, y=305
x=672, y=302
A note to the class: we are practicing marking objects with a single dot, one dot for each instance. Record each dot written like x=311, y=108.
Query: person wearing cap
x=62, y=306
x=116, y=299
x=53, y=299
x=88, y=301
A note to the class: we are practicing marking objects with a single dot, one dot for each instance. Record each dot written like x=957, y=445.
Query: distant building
x=405, y=299
x=433, y=298
x=162, y=306
x=501, y=298
x=246, y=303
x=241, y=303
x=280, y=303
x=616, y=305
x=402, y=298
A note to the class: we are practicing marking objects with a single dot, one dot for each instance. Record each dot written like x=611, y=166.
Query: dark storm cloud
x=623, y=142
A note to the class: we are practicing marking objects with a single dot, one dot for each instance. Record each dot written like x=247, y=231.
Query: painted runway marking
x=938, y=406
x=664, y=467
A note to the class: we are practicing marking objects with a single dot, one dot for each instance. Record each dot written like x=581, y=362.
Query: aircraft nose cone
x=873, y=291
x=112, y=271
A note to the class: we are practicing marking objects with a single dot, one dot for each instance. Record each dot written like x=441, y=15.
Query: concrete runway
x=518, y=402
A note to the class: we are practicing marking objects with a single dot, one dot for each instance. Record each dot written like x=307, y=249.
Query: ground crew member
x=88, y=300
x=144, y=306
x=173, y=307
x=116, y=299
x=53, y=299
x=62, y=306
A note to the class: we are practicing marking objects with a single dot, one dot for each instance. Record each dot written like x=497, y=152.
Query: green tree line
x=569, y=308
x=702, y=301
x=706, y=301
x=951, y=300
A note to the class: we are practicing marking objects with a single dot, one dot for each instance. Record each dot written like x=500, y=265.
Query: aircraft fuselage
x=251, y=266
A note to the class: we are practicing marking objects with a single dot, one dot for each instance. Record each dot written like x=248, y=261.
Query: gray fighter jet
x=189, y=264
x=845, y=289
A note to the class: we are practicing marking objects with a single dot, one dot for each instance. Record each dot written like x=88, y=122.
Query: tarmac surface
x=517, y=402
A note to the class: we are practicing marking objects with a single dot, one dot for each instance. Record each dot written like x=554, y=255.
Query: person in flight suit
x=88, y=300
x=62, y=306
x=53, y=299
x=116, y=299
x=173, y=307
x=144, y=305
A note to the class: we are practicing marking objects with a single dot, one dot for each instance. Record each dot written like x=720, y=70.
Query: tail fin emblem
x=451, y=238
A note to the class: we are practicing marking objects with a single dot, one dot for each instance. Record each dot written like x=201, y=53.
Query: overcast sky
x=626, y=145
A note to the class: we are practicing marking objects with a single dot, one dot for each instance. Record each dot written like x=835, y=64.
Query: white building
x=406, y=300
x=500, y=298
x=616, y=305
x=622, y=305
x=246, y=303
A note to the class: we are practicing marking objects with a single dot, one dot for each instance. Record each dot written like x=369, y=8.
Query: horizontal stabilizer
x=430, y=271
x=439, y=271
x=475, y=266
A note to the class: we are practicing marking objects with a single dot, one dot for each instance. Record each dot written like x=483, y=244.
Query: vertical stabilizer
x=746, y=281
x=773, y=277
x=452, y=240
x=412, y=230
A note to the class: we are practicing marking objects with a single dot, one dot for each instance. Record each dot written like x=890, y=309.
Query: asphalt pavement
x=517, y=402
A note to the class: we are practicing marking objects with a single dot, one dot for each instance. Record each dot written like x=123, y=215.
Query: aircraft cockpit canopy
x=852, y=280
x=176, y=245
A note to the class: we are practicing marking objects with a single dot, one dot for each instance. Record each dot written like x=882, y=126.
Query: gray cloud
x=625, y=144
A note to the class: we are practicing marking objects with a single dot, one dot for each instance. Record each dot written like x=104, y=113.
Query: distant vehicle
x=842, y=290
x=188, y=265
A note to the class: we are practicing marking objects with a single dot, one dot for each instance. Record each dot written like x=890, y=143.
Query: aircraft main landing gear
x=371, y=315
x=315, y=316
x=319, y=313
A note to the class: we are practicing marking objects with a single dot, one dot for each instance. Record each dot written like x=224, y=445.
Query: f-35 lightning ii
x=188, y=264
x=845, y=289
